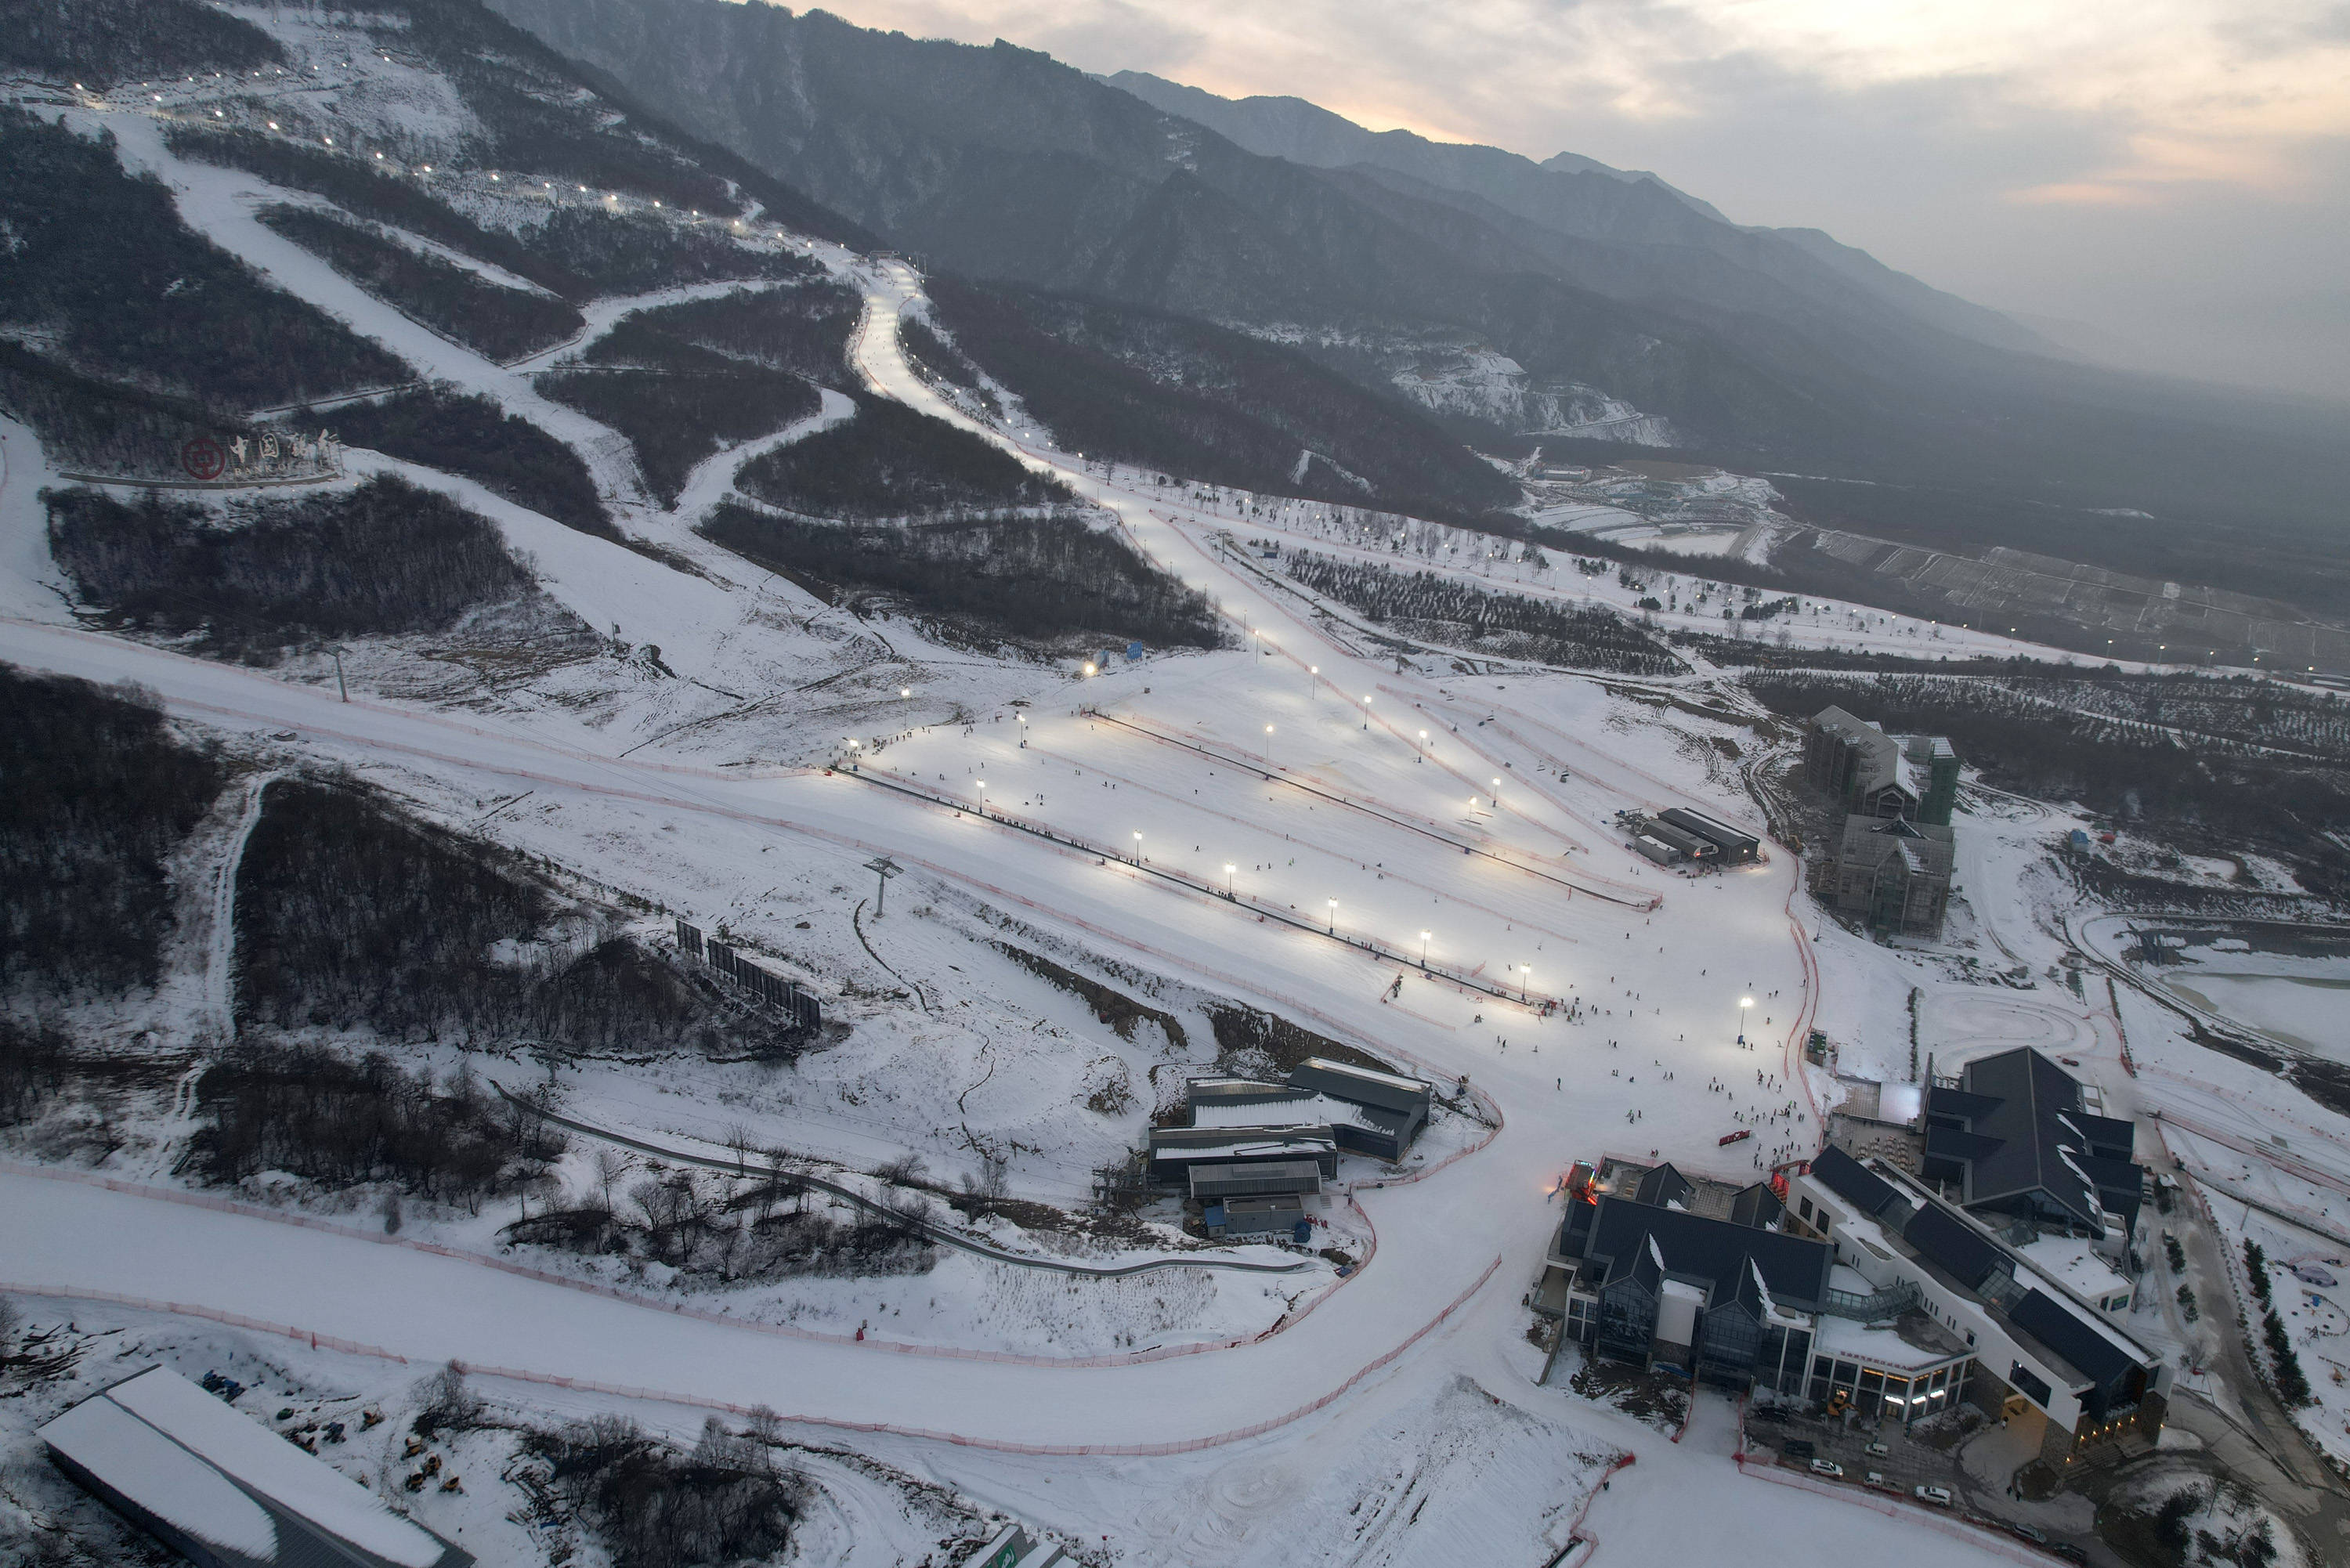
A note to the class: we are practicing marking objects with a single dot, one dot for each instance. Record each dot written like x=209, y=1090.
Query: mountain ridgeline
x=1765, y=348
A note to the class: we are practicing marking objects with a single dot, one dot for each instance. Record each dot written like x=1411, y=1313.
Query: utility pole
x=344, y=691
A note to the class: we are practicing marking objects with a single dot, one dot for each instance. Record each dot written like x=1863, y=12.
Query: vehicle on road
x=1877, y=1479
x=1876, y=1451
x=2068, y=1551
x=1800, y=1449
x=1940, y=1496
x=2032, y=1533
x=1827, y=1468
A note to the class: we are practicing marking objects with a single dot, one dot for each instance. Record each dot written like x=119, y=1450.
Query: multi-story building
x=2035, y=1349
x=1893, y=873
x=1891, y=864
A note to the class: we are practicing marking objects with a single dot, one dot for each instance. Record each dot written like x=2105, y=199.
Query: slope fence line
x=1378, y=949
x=1281, y=775
x=591, y=1385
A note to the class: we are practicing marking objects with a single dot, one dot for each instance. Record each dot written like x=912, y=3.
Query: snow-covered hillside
x=1107, y=863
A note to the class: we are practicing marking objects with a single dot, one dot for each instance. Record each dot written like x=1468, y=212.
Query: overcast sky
x=2171, y=177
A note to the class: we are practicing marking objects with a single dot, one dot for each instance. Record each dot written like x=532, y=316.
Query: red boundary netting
x=623, y=1391
x=679, y=1308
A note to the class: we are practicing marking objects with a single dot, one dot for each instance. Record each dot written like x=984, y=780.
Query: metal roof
x=1389, y=1091
x=155, y=1445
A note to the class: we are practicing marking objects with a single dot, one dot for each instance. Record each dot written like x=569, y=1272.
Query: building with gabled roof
x=2012, y=1134
x=2037, y=1348
x=1892, y=872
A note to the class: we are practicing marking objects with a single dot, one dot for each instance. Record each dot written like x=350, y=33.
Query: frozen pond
x=2309, y=1012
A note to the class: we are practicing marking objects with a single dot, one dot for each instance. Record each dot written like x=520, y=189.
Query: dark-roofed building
x=1213, y=1183
x=1642, y=1278
x=1176, y=1152
x=1732, y=844
x=1389, y=1109
x=2013, y=1136
x=223, y=1490
x=2038, y=1346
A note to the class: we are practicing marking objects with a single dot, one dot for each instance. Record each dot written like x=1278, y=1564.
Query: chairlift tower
x=883, y=867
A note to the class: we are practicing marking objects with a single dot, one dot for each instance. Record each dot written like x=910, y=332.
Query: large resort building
x=1881, y=1296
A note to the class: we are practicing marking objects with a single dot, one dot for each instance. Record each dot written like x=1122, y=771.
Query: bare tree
x=610, y=1166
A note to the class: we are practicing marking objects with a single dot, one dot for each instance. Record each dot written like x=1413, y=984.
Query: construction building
x=1891, y=863
x=1893, y=873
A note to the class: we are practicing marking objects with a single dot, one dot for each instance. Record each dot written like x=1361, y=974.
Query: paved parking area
x=1911, y=1461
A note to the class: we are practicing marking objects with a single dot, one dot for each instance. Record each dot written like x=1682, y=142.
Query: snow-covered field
x=1393, y=1416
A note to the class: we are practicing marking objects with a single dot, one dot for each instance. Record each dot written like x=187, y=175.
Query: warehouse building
x=1176, y=1152
x=223, y=1490
x=1252, y=1138
x=1730, y=845
x=1389, y=1109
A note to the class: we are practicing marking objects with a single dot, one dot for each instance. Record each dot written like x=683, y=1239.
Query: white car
x=1940, y=1496
x=1827, y=1468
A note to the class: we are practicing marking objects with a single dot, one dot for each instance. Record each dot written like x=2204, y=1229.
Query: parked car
x=1827, y=1468
x=1877, y=1450
x=1940, y=1496
x=1769, y=1413
x=2032, y=1533
x=1800, y=1449
x=2068, y=1551
x=1877, y=1479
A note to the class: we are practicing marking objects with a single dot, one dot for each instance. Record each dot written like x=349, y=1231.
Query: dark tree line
x=385, y=557
x=2205, y=793
x=629, y=253
x=368, y=193
x=1204, y=402
x=493, y=320
x=687, y=1221
x=34, y=1063
x=99, y=43
x=461, y=432
x=1033, y=581
x=656, y=1508
x=891, y=461
x=351, y=916
x=943, y=361
x=805, y=329
x=340, y=1121
x=102, y=427
x=675, y=419
x=1447, y=610
x=101, y=260
x=96, y=793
